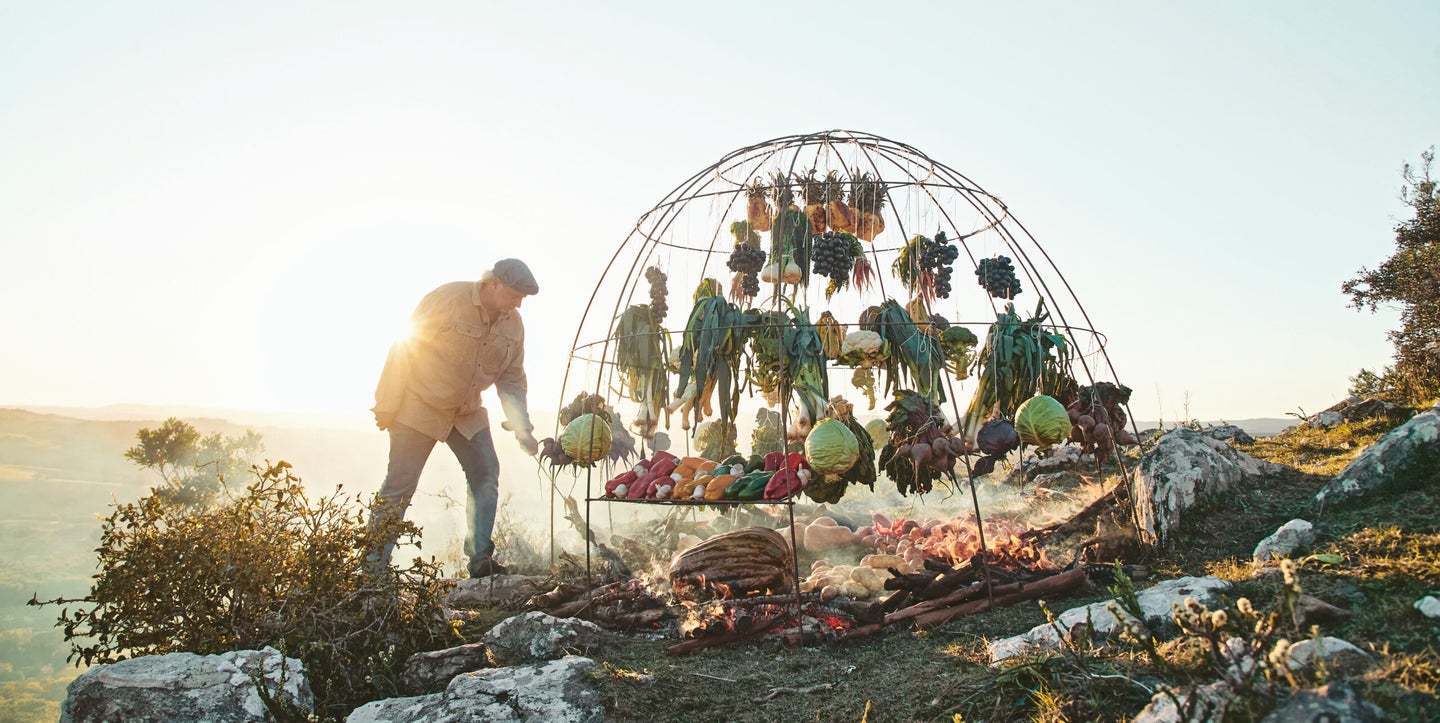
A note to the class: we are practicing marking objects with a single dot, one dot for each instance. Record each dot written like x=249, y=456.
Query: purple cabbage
x=997, y=438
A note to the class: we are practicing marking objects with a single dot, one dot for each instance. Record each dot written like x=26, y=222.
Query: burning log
x=732, y=626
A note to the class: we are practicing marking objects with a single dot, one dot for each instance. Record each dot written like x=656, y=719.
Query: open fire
x=737, y=586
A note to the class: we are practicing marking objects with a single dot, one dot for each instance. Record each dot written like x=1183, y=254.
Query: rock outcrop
x=557, y=691
x=431, y=671
x=535, y=636
x=1183, y=469
x=185, y=686
x=1407, y=457
x=1156, y=603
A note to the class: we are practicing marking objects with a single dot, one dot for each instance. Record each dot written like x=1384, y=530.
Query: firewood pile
x=622, y=606
x=941, y=593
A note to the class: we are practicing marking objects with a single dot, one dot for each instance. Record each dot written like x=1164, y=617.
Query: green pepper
x=755, y=487
x=754, y=464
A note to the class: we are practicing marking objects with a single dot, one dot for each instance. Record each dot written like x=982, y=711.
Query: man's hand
x=527, y=442
x=384, y=420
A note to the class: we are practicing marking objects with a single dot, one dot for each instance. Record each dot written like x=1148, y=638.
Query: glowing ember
x=957, y=541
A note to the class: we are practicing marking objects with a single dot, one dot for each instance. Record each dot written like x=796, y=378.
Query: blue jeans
x=409, y=449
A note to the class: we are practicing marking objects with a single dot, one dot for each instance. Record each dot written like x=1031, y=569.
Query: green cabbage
x=1042, y=421
x=879, y=433
x=831, y=447
x=586, y=439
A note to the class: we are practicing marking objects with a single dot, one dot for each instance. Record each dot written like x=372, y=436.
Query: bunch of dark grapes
x=830, y=256
x=937, y=259
x=747, y=261
x=658, y=306
x=997, y=276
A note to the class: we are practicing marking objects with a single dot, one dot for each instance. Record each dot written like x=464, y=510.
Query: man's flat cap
x=516, y=275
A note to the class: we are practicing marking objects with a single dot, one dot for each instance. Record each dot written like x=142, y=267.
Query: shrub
x=271, y=566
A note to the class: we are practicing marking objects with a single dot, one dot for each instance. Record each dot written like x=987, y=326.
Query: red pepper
x=774, y=461
x=641, y=489
x=782, y=485
x=664, y=456
x=659, y=474
x=627, y=479
x=796, y=462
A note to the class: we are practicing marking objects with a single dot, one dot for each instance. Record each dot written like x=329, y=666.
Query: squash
x=715, y=488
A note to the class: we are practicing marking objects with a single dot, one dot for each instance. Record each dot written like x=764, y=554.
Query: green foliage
x=272, y=566
x=1411, y=279
x=194, y=468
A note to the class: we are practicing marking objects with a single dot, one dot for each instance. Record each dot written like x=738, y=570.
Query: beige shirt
x=432, y=381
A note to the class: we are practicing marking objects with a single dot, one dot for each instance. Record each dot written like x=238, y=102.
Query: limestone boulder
x=1407, y=457
x=431, y=671
x=1331, y=652
x=1291, y=536
x=535, y=636
x=1156, y=603
x=1183, y=469
x=1333, y=702
x=1228, y=433
x=557, y=691
x=185, y=686
x=1203, y=704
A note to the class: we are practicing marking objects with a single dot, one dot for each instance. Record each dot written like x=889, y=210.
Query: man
x=465, y=337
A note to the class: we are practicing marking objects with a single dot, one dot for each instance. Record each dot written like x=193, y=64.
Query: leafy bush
x=271, y=566
x=194, y=468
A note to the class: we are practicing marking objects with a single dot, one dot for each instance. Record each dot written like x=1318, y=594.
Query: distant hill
x=1262, y=427
x=360, y=420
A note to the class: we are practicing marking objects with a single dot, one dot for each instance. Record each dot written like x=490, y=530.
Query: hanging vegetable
x=829, y=487
x=997, y=277
x=586, y=439
x=746, y=260
x=924, y=266
x=1042, y=422
x=838, y=214
x=864, y=350
x=715, y=439
x=912, y=353
x=832, y=335
x=867, y=199
x=642, y=351
x=878, y=434
x=832, y=448
x=789, y=357
x=789, y=249
x=765, y=371
x=805, y=367
x=1097, y=405
x=812, y=190
x=1020, y=359
x=956, y=343
x=710, y=356
x=757, y=208
x=769, y=434
x=919, y=449
x=997, y=438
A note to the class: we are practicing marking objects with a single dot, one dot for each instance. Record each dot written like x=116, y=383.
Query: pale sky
x=238, y=205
